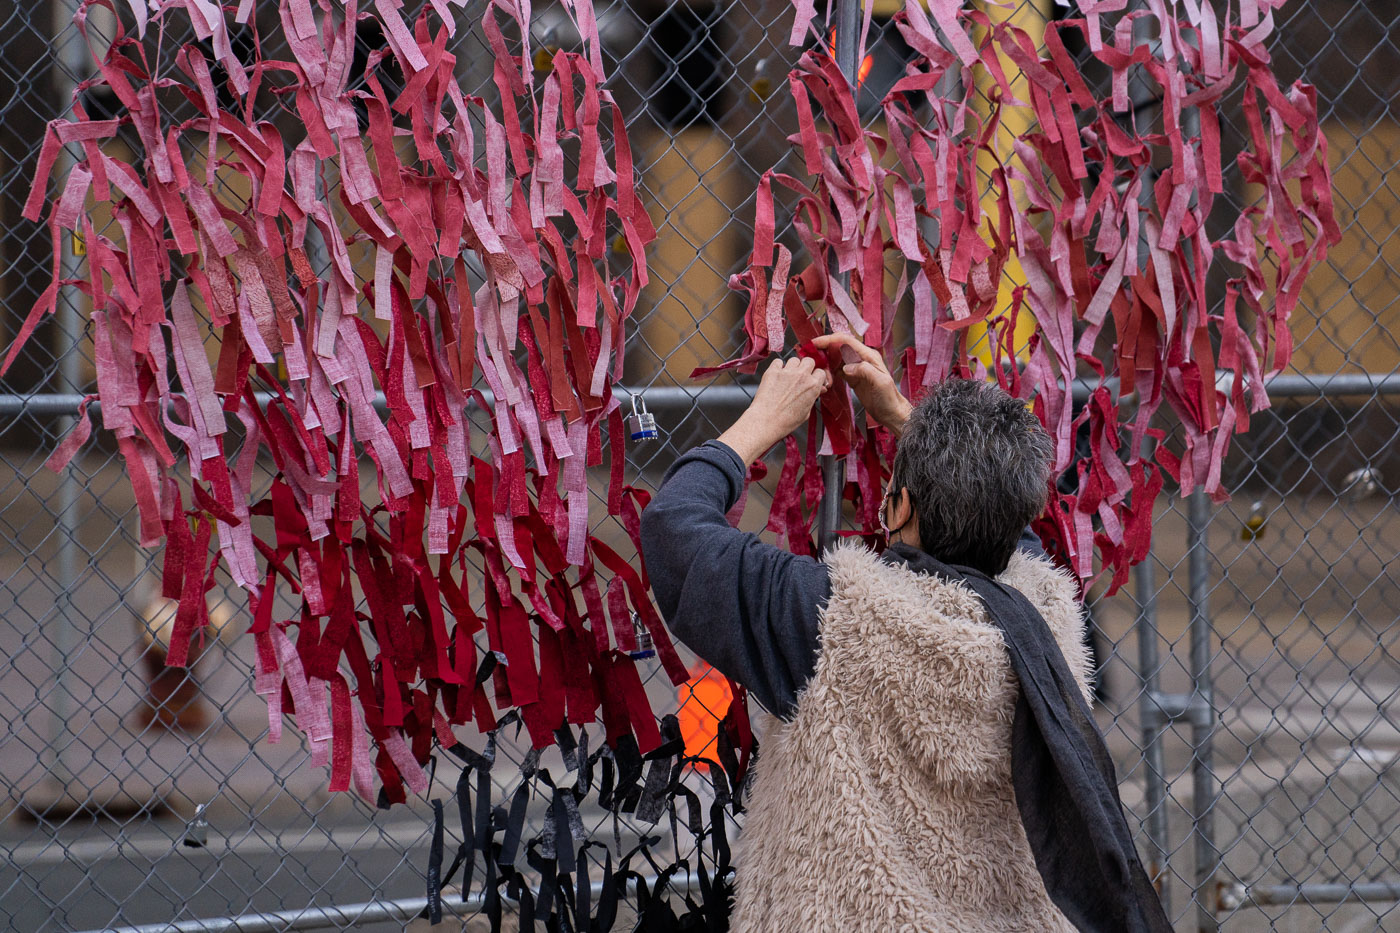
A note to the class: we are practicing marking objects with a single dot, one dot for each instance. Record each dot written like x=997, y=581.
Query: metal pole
x=350, y=915
x=1203, y=783
x=311, y=918
x=847, y=35
x=1204, y=717
x=834, y=468
x=829, y=515
x=1286, y=895
x=1286, y=386
x=1153, y=726
x=1154, y=723
x=62, y=631
x=671, y=398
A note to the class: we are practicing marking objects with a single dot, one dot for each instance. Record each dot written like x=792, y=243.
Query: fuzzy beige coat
x=886, y=803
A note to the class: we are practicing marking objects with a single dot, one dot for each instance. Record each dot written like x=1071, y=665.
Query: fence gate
x=1249, y=675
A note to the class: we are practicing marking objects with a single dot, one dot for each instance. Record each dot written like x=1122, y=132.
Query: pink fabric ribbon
x=301, y=368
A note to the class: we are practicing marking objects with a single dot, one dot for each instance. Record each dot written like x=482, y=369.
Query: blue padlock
x=641, y=426
x=646, y=648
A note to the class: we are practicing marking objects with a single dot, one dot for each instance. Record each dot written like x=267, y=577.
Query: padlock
x=761, y=86
x=1362, y=483
x=544, y=58
x=641, y=426
x=1254, y=523
x=646, y=648
x=197, y=830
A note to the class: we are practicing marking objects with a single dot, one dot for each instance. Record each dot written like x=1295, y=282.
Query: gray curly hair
x=977, y=466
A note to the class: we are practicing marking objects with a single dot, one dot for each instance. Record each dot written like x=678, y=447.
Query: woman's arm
x=745, y=606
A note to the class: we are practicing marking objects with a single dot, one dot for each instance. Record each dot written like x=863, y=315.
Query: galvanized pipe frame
x=351, y=915
x=834, y=468
x=73, y=61
x=1235, y=896
x=1152, y=726
x=1201, y=713
x=1158, y=710
x=1290, y=386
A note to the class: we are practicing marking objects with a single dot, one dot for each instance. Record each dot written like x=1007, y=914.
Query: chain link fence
x=1249, y=677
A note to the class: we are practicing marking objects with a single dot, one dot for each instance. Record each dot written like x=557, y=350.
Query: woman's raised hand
x=870, y=378
x=784, y=399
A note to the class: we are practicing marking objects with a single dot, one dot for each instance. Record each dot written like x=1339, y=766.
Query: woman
x=936, y=767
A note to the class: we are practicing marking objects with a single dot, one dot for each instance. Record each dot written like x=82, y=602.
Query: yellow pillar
x=1030, y=16
x=688, y=314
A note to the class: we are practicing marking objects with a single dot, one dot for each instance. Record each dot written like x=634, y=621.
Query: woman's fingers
x=863, y=375
x=777, y=368
x=782, y=404
x=850, y=342
x=793, y=377
x=859, y=372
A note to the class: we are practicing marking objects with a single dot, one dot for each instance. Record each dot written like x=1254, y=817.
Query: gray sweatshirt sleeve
x=747, y=607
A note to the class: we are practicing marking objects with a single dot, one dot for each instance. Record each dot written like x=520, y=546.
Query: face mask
x=884, y=525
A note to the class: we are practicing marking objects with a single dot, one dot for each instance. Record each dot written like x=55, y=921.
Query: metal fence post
x=834, y=468
x=1152, y=724
x=1204, y=718
x=72, y=58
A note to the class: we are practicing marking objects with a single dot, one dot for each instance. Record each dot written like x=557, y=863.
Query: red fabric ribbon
x=1076, y=204
x=480, y=244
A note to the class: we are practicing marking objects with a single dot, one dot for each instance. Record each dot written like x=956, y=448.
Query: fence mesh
x=1248, y=680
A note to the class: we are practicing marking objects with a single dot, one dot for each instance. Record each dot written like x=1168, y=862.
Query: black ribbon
x=515, y=824
x=562, y=898
x=434, y=879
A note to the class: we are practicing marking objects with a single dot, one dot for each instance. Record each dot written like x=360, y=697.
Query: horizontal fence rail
x=350, y=915
x=669, y=398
